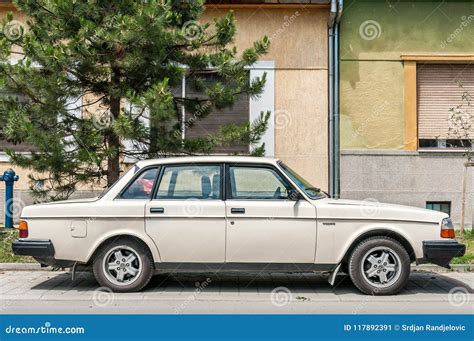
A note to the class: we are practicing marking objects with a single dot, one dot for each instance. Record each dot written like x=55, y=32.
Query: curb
x=424, y=267
x=23, y=267
x=436, y=268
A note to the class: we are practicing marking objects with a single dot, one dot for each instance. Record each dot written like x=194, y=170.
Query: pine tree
x=93, y=73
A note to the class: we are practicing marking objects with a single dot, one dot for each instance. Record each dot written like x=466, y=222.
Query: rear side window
x=142, y=186
x=190, y=182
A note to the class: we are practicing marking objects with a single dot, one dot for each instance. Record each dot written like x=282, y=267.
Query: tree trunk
x=113, y=141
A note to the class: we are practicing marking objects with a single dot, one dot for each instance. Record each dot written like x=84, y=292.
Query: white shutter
x=438, y=91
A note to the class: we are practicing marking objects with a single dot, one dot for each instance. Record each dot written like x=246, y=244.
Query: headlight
x=447, y=228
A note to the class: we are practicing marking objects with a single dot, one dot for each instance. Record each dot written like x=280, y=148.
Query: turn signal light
x=447, y=229
x=23, y=227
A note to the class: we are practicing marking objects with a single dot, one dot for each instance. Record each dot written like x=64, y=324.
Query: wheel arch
x=111, y=238
x=379, y=233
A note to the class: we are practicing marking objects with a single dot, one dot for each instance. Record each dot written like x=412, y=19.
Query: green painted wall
x=373, y=36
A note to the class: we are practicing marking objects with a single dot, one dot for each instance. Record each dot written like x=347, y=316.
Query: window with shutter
x=441, y=88
x=4, y=143
x=237, y=114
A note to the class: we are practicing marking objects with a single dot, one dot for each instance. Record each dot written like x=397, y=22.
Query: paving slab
x=54, y=292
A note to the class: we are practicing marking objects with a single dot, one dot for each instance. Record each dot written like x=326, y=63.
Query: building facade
x=404, y=67
x=296, y=91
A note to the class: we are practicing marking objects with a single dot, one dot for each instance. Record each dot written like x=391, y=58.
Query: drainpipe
x=332, y=19
x=333, y=86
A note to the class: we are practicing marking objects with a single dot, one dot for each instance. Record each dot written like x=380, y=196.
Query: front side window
x=311, y=191
x=142, y=186
x=190, y=182
x=256, y=183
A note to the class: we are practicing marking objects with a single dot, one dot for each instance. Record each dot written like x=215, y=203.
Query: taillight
x=447, y=228
x=23, y=227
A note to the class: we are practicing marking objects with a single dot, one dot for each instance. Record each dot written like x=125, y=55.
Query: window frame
x=162, y=171
x=135, y=177
x=448, y=203
x=227, y=178
x=410, y=98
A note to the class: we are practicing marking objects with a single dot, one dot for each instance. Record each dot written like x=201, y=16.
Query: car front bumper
x=441, y=252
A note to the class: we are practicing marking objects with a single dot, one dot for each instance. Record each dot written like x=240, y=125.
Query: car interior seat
x=206, y=187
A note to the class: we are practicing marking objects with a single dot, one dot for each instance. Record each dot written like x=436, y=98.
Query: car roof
x=213, y=158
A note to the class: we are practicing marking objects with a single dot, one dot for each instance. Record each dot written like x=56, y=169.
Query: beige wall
x=299, y=50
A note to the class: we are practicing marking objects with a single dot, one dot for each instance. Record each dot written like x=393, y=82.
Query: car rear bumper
x=441, y=252
x=33, y=247
x=41, y=250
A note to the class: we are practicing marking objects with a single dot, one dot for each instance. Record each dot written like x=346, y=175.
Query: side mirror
x=294, y=195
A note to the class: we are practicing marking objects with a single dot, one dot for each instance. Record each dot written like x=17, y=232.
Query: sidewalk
x=54, y=292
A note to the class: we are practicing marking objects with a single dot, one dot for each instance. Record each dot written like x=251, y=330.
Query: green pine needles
x=88, y=84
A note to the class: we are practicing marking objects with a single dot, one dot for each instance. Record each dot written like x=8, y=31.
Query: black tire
x=143, y=261
x=384, y=245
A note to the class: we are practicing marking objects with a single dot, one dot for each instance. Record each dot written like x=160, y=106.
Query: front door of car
x=186, y=216
x=263, y=224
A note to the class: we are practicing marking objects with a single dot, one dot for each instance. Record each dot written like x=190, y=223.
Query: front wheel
x=379, y=266
x=124, y=265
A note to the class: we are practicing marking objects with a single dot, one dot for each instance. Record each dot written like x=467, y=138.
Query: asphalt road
x=55, y=292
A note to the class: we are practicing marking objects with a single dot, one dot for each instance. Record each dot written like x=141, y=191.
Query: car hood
x=372, y=209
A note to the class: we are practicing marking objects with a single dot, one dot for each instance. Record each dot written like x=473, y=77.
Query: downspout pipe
x=334, y=99
x=332, y=19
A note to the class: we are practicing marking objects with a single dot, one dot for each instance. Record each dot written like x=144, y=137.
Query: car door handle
x=237, y=210
x=157, y=210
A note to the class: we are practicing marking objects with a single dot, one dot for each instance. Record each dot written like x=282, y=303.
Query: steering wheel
x=277, y=193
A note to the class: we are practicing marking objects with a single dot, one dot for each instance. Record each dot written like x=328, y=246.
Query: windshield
x=310, y=190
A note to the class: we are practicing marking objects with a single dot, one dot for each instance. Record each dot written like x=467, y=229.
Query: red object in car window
x=147, y=185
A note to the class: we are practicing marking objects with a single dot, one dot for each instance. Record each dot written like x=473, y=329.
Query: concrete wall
x=374, y=36
x=408, y=178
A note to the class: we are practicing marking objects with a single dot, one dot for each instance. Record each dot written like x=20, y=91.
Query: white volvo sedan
x=232, y=214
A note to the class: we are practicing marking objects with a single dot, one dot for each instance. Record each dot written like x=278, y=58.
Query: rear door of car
x=186, y=215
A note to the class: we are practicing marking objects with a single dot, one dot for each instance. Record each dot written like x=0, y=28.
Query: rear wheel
x=379, y=266
x=124, y=265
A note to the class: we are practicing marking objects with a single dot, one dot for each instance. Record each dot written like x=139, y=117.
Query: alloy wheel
x=381, y=267
x=122, y=265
